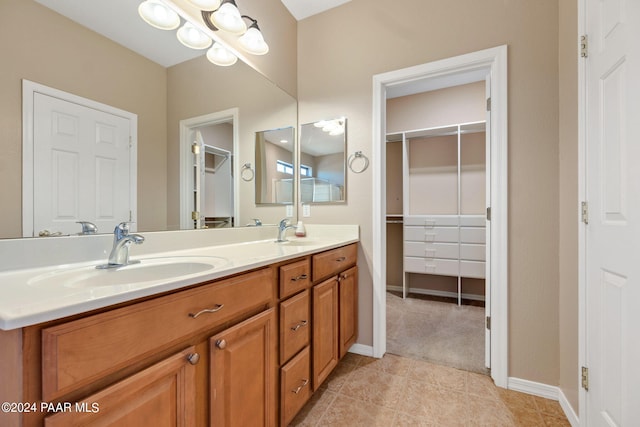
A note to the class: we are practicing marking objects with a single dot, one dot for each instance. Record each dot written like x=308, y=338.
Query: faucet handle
x=122, y=229
x=284, y=223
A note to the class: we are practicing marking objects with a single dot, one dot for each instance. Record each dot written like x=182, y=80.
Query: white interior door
x=612, y=236
x=81, y=166
x=198, y=178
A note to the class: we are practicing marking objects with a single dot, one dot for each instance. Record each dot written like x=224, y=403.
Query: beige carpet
x=440, y=332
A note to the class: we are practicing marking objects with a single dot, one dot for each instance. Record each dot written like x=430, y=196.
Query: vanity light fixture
x=158, y=15
x=227, y=17
x=332, y=127
x=253, y=41
x=192, y=37
x=221, y=56
x=209, y=5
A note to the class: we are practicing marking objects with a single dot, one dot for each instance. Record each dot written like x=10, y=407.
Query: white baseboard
x=573, y=418
x=361, y=349
x=436, y=293
x=546, y=391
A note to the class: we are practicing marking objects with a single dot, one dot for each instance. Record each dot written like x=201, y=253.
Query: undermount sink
x=147, y=270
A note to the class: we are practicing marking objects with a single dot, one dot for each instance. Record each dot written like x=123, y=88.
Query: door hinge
x=584, y=212
x=489, y=213
x=195, y=215
x=130, y=142
x=488, y=104
x=488, y=322
x=195, y=148
x=585, y=378
x=130, y=216
x=584, y=46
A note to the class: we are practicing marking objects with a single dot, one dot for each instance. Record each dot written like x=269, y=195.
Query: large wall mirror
x=274, y=173
x=174, y=98
x=323, y=162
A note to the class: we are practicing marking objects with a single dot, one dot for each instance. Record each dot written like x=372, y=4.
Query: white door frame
x=186, y=163
x=29, y=89
x=494, y=60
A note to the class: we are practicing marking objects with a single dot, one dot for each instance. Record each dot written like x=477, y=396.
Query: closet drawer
x=295, y=325
x=431, y=250
x=472, y=269
x=473, y=221
x=430, y=221
x=442, y=267
x=435, y=234
x=473, y=252
x=472, y=234
x=294, y=277
x=331, y=262
x=81, y=351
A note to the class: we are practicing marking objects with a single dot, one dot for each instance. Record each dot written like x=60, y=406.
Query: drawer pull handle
x=300, y=277
x=221, y=344
x=342, y=258
x=218, y=307
x=193, y=358
x=300, y=325
x=300, y=387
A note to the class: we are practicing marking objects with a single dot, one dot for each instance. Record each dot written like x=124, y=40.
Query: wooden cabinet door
x=161, y=395
x=243, y=373
x=325, y=330
x=348, y=285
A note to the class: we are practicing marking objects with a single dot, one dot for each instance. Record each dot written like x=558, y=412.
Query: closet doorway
x=452, y=223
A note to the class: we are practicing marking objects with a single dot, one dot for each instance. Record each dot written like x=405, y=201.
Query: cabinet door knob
x=193, y=358
x=221, y=344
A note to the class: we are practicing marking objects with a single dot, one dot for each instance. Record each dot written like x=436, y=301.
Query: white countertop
x=23, y=304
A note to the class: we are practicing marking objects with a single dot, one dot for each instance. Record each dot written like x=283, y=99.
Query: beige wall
x=42, y=46
x=568, y=200
x=338, y=53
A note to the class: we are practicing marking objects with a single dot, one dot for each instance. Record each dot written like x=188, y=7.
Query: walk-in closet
x=437, y=225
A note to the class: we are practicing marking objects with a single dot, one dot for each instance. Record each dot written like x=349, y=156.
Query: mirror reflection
x=322, y=161
x=274, y=175
x=161, y=94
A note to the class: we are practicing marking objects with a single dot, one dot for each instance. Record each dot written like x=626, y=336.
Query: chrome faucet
x=119, y=256
x=256, y=222
x=87, y=227
x=282, y=229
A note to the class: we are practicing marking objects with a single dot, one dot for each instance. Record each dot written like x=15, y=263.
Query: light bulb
x=253, y=42
x=220, y=55
x=158, y=15
x=192, y=37
x=228, y=18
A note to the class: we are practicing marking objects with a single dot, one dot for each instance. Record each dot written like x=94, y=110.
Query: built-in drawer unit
x=295, y=325
x=78, y=352
x=431, y=250
x=473, y=235
x=472, y=269
x=442, y=267
x=295, y=385
x=431, y=220
x=295, y=277
x=473, y=252
x=431, y=234
x=333, y=261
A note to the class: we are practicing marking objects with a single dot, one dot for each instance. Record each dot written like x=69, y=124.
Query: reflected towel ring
x=352, y=159
x=247, y=176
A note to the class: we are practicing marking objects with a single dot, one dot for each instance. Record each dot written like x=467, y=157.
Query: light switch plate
x=306, y=211
x=289, y=213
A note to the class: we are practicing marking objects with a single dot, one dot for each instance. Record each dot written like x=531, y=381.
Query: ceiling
x=301, y=9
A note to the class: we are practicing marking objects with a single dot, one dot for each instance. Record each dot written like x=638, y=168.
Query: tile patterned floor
x=398, y=391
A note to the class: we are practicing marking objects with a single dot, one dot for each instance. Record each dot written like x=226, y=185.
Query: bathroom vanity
x=245, y=343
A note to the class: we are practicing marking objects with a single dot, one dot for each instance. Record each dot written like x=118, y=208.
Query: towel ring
x=354, y=157
x=247, y=176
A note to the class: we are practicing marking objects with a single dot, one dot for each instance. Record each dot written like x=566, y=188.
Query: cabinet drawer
x=442, y=267
x=294, y=277
x=295, y=386
x=431, y=250
x=332, y=262
x=472, y=221
x=431, y=220
x=472, y=269
x=473, y=252
x=434, y=234
x=295, y=325
x=79, y=352
x=473, y=234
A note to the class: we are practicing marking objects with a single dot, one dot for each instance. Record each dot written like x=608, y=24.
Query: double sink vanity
x=228, y=328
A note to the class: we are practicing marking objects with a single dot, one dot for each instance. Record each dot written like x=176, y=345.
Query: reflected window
x=284, y=167
x=305, y=170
